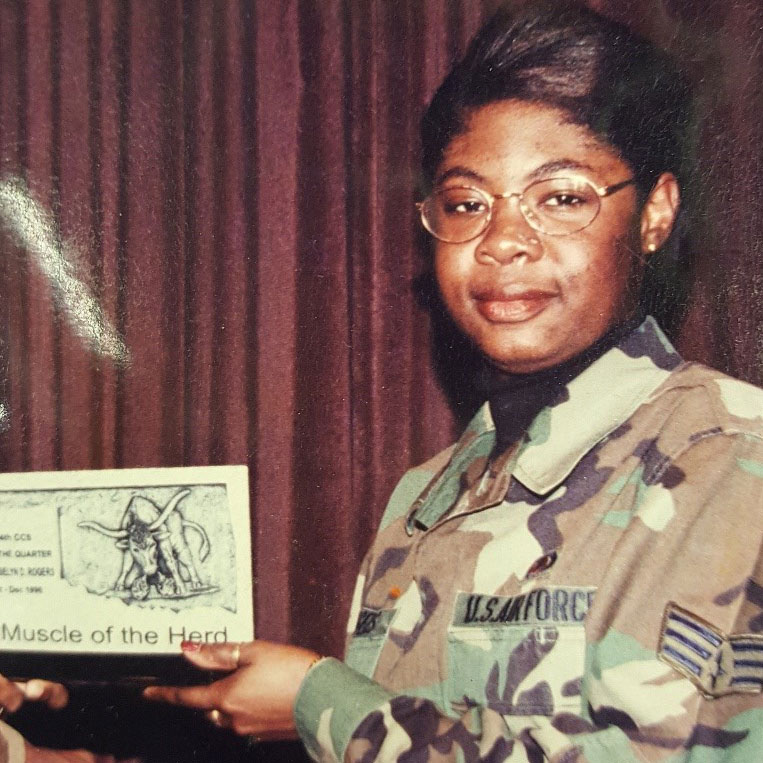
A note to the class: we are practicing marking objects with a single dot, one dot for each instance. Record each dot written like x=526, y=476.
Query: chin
x=519, y=354
x=524, y=365
x=522, y=360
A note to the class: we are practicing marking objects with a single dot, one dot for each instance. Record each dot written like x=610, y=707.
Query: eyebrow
x=555, y=165
x=461, y=172
x=545, y=170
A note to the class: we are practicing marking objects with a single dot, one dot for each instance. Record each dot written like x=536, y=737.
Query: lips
x=512, y=304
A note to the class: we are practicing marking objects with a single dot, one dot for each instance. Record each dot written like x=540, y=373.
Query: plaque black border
x=82, y=669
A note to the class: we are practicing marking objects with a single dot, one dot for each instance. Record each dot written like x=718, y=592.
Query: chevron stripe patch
x=716, y=663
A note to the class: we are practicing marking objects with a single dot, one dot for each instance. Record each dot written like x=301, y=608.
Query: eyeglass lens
x=556, y=206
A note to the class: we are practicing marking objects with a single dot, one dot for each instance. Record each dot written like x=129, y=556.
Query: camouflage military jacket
x=594, y=595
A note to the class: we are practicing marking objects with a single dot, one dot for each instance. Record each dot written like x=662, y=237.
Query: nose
x=509, y=237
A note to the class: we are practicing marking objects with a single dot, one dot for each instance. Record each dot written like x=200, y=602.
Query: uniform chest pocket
x=518, y=655
x=368, y=639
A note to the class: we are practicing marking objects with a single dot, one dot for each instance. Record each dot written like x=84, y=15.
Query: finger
x=11, y=695
x=54, y=695
x=197, y=697
x=228, y=656
x=45, y=755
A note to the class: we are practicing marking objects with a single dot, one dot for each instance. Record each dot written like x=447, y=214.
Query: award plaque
x=103, y=574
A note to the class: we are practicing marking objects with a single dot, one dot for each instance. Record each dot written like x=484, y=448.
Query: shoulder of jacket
x=704, y=402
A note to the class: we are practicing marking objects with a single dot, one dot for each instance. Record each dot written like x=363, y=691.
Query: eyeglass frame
x=601, y=191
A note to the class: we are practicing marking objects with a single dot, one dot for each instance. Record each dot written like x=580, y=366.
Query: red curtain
x=234, y=183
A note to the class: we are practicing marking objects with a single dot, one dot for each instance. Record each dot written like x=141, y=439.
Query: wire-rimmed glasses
x=554, y=206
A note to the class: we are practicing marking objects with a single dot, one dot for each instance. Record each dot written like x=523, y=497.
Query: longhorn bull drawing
x=155, y=548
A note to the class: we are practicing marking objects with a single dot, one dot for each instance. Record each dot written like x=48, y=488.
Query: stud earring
x=651, y=248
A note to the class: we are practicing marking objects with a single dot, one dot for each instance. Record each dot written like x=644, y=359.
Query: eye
x=564, y=199
x=465, y=202
x=470, y=207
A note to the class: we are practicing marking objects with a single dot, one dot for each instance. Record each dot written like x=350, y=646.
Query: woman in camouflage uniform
x=578, y=578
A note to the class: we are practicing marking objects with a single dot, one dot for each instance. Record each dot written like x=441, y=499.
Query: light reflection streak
x=34, y=229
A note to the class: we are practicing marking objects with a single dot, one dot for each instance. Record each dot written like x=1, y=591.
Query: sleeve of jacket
x=344, y=716
x=11, y=745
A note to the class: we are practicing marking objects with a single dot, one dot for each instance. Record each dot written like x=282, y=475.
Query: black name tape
x=552, y=605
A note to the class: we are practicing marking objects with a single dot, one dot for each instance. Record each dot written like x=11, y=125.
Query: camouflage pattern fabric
x=596, y=594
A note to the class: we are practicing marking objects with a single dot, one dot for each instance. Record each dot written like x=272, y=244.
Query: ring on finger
x=236, y=655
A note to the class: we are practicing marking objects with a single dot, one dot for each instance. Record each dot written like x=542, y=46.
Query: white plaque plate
x=124, y=562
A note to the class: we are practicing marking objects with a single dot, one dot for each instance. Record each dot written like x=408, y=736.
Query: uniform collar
x=593, y=405
x=588, y=409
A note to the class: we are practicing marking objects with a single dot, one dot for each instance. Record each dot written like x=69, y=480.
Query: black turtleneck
x=516, y=399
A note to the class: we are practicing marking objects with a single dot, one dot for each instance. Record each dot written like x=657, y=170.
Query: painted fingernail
x=190, y=646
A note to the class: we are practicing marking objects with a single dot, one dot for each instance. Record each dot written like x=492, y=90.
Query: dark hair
x=608, y=79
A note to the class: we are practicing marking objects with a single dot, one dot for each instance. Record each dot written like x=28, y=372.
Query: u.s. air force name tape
x=716, y=663
x=551, y=605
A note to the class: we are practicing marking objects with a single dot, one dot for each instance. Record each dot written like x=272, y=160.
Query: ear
x=659, y=212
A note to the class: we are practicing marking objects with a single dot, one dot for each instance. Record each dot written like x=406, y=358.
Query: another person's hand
x=44, y=755
x=257, y=698
x=13, y=694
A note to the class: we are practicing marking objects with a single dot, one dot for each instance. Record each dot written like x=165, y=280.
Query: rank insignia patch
x=718, y=664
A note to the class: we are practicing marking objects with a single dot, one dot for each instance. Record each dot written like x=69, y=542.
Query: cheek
x=601, y=284
x=451, y=270
x=624, y=270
